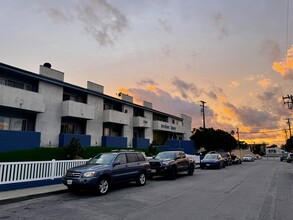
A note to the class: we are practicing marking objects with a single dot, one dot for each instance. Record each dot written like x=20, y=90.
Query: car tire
x=173, y=173
x=141, y=181
x=190, y=170
x=103, y=186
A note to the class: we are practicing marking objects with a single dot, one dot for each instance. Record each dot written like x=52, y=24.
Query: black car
x=105, y=169
x=169, y=163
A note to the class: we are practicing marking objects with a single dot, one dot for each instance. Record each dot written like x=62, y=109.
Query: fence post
x=53, y=171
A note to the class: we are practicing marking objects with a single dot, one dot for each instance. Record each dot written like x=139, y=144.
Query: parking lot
x=254, y=190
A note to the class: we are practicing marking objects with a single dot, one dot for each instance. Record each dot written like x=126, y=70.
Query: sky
x=235, y=55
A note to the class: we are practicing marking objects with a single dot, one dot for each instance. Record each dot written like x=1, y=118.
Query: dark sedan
x=212, y=161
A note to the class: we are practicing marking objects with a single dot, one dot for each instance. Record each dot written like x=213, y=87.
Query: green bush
x=74, y=149
x=45, y=154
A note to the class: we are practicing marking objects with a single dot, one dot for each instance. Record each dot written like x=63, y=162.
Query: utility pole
x=286, y=137
x=288, y=122
x=203, y=115
x=238, y=138
x=288, y=100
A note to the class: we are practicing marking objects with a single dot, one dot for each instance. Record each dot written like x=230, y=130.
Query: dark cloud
x=186, y=89
x=270, y=48
x=252, y=117
x=100, y=20
x=165, y=24
x=147, y=82
x=219, y=22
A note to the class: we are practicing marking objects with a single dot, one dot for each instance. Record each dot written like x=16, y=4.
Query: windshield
x=211, y=156
x=102, y=159
x=165, y=155
x=247, y=155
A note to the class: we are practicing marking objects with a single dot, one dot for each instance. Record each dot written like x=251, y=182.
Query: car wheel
x=191, y=169
x=141, y=179
x=103, y=186
x=173, y=173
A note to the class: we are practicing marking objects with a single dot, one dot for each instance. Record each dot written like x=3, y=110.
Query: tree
x=213, y=140
x=74, y=149
x=289, y=145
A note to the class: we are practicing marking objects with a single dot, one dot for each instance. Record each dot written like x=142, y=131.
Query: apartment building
x=41, y=110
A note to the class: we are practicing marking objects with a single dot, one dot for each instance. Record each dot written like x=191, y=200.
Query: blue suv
x=105, y=169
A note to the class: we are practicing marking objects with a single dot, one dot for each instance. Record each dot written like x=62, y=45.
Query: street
x=259, y=190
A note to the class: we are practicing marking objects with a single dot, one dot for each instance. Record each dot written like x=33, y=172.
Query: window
x=131, y=158
x=13, y=124
x=15, y=84
x=121, y=158
x=140, y=157
x=67, y=128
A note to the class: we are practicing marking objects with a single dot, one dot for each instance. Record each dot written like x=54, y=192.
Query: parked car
x=236, y=159
x=170, y=163
x=212, y=160
x=106, y=169
x=248, y=158
x=226, y=156
x=290, y=157
x=283, y=156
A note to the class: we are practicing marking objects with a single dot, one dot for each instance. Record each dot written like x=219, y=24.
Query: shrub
x=74, y=149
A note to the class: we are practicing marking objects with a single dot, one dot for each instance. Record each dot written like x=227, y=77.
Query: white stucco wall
x=95, y=127
x=149, y=131
x=49, y=122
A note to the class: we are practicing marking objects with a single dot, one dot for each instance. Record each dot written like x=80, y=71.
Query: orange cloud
x=151, y=88
x=285, y=67
x=264, y=83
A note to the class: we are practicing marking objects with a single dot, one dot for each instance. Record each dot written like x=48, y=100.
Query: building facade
x=43, y=110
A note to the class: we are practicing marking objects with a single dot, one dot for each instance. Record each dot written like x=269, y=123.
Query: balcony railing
x=141, y=122
x=77, y=110
x=21, y=99
x=115, y=117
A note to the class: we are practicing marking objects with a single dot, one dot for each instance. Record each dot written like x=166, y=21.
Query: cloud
x=264, y=83
x=165, y=25
x=233, y=84
x=186, y=89
x=102, y=21
x=270, y=48
x=147, y=82
x=219, y=20
x=285, y=67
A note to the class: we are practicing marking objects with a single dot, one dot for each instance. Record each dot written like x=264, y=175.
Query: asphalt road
x=257, y=190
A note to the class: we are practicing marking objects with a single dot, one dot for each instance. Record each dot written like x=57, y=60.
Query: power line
x=262, y=132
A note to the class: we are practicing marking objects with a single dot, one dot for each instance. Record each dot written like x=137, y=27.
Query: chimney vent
x=48, y=65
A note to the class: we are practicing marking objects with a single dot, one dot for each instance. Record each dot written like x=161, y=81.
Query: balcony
x=115, y=117
x=141, y=122
x=21, y=99
x=164, y=126
x=77, y=110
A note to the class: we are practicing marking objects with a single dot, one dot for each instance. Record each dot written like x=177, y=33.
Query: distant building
x=274, y=151
x=43, y=110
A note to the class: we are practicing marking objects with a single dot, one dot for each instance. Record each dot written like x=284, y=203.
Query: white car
x=247, y=158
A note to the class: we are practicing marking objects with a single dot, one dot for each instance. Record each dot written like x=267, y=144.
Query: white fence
x=18, y=172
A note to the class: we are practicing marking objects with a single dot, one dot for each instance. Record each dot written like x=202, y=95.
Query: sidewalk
x=29, y=193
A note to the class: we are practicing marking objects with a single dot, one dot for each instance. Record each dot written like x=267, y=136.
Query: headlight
x=89, y=174
x=165, y=163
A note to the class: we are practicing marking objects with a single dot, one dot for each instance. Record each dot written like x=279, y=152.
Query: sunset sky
x=235, y=55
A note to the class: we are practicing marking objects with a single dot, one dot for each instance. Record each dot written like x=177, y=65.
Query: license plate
x=69, y=182
x=153, y=171
x=208, y=165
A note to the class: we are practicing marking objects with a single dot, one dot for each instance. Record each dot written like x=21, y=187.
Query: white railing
x=17, y=172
